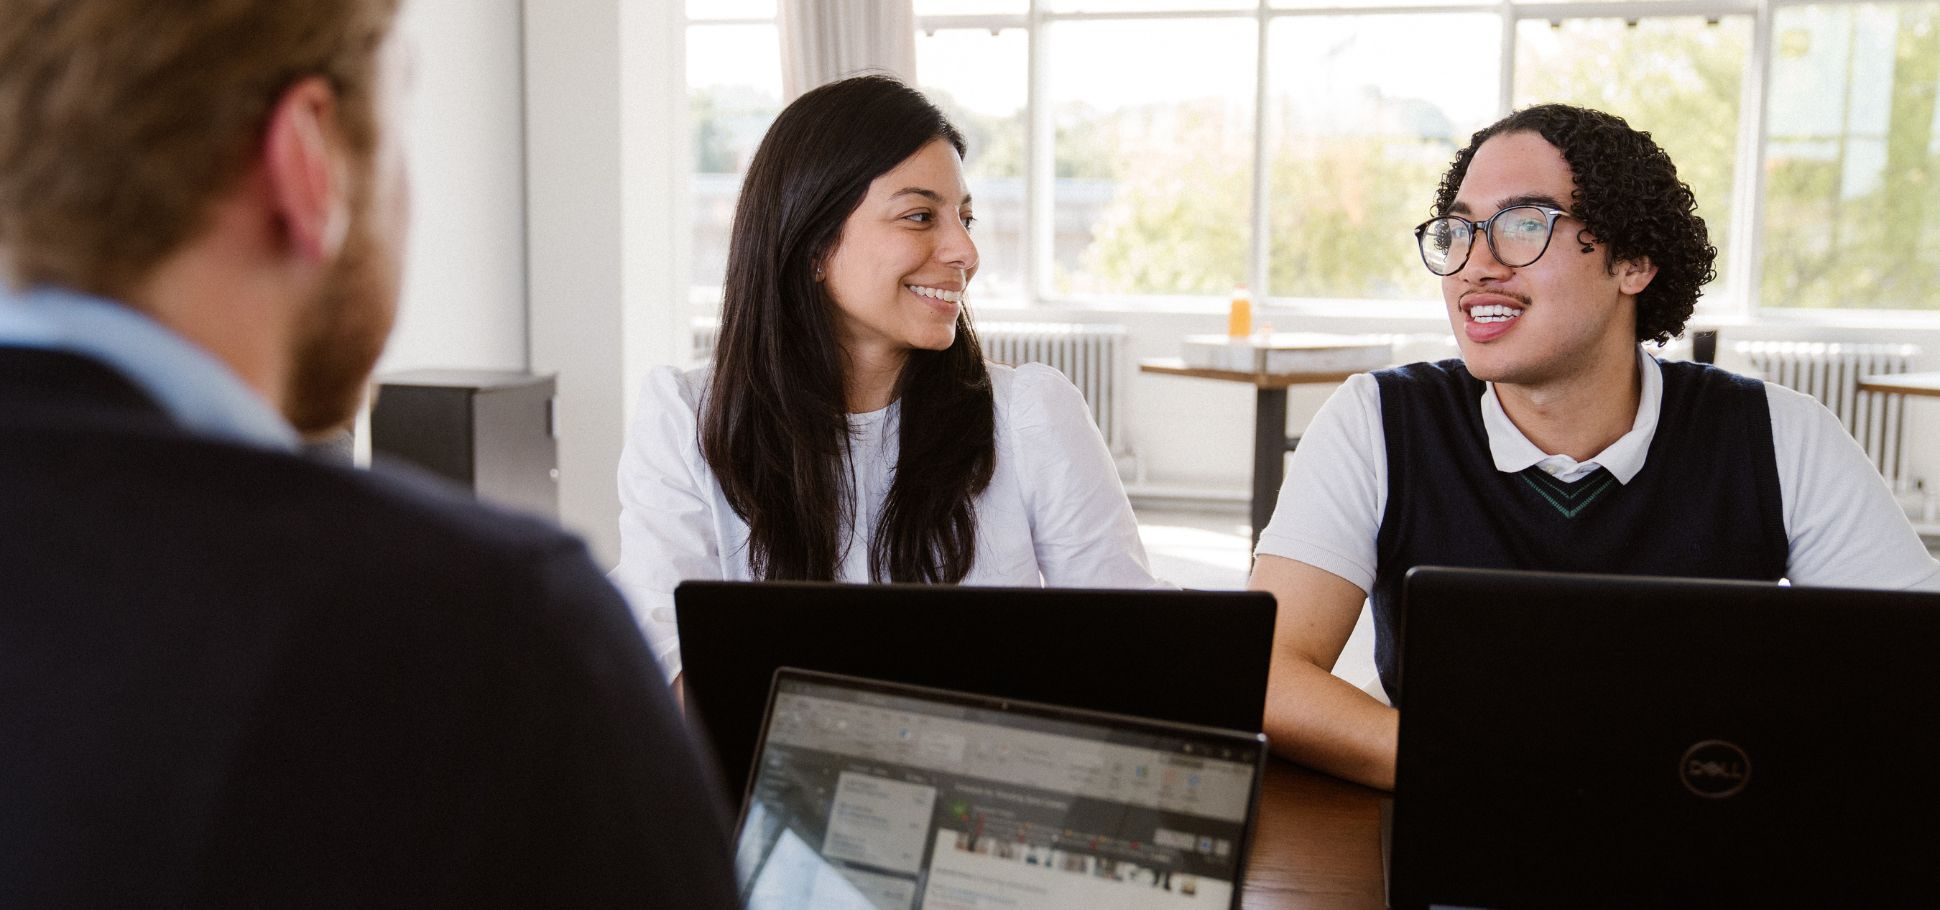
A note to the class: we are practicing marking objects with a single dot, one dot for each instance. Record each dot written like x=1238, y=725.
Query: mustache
x=1519, y=298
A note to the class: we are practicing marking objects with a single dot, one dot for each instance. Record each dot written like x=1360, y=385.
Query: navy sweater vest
x=1706, y=503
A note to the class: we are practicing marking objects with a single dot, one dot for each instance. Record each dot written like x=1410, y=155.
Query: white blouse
x=1054, y=513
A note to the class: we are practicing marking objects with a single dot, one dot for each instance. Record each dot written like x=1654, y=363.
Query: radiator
x=1096, y=358
x=1831, y=373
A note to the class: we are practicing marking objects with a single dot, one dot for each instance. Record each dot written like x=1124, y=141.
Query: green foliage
x=1341, y=214
x=729, y=122
x=996, y=144
x=711, y=155
x=1180, y=220
x=1093, y=145
x=1677, y=79
x=1840, y=240
x=1340, y=208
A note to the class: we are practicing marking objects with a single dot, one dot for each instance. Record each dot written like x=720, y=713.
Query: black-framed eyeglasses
x=1517, y=235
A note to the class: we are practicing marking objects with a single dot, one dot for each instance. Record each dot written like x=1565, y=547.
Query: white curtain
x=825, y=40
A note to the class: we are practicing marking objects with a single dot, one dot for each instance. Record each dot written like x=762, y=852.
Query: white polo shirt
x=1842, y=525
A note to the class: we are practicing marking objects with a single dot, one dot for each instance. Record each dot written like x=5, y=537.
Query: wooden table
x=1270, y=440
x=1317, y=844
x=1922, y=384
x=1889, y=395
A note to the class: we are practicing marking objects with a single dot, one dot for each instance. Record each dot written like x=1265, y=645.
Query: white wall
x=605, y=132
x=463, y=300
x=656, y=156
x=547, y=142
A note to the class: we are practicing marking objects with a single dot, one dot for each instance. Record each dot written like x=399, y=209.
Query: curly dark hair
x=1627, y=195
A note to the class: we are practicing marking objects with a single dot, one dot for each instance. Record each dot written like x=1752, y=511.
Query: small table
x=1270, y=440
x=1921, y=384
x=1899, y=385
x=1317, y=843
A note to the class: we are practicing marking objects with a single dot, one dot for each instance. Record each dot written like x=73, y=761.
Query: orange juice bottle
x=1239, y=318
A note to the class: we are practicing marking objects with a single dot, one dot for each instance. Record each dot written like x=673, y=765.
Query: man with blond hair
x=230, y=676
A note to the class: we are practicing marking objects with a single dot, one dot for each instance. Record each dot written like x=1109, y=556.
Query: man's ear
x=307, y=178
x=1633, y=275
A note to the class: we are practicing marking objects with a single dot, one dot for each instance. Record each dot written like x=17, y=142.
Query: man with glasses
x=1564, y=240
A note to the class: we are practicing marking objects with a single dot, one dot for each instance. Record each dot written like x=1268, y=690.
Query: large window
x=1361, y=121
x=1153, y=163
x=1852, y=158
x=1689, y=103
x=981, y=79
x=733, y=94
x=1167, y=150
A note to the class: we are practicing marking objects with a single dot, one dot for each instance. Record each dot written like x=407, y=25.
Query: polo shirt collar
x=1514, y=453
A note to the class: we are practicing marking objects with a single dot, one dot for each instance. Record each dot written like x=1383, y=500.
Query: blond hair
x=122, y=120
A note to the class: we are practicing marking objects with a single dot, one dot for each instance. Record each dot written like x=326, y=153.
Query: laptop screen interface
x=874, y=800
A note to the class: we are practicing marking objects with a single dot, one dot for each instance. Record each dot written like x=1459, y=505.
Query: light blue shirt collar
x=198, y=391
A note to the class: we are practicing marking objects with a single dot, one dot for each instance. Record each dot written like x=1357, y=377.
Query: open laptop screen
x=872, y=796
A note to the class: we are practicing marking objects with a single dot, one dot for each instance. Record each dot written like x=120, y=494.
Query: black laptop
x=1191, y=657
x=1575, y=740
x=877, y=796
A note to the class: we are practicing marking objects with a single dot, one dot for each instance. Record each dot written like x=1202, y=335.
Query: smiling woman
x=898, y=272
x=849, y=428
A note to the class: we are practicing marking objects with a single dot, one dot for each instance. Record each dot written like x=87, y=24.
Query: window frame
x=1739, y=265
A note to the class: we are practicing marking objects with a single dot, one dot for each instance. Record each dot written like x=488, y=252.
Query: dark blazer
x=234, y=677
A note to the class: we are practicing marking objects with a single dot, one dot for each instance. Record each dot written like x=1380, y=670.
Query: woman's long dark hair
x=774, y=424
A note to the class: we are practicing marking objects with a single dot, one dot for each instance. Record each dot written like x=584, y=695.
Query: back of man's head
x=125, y=119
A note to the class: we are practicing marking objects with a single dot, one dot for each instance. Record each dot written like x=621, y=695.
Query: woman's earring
x=1586, y=248
x=818, y=272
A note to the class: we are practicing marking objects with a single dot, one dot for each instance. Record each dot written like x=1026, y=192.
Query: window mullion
x=1748, y=190
x=1505, y=98
x=1259, y=256
x=1040, y=133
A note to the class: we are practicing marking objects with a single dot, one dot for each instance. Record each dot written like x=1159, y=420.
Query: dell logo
x=1715, y=769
